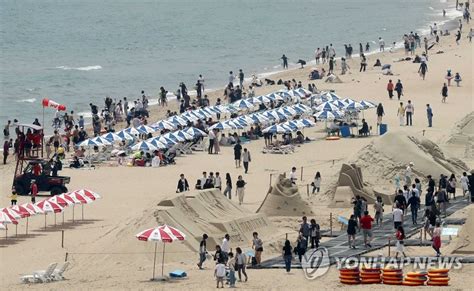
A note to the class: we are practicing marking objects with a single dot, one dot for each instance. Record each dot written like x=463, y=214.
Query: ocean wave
x=32, y=90
x=29, y=100
x=86, y=68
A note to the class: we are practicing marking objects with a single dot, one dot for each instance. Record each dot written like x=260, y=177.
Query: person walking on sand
x=429, y=115
x=241, y=78
x=240, y=191
x=380, y=113
x=444, y=93
x=381, y=44
x=301, y=246
x=285, y=61
x=212, y=137
x=246, y=159
x=6, y=150
x=400, y=245
x=363, y=63
x=409, y=112
x=183, y=184
x=401, y=114
x=464, y=183
x=225, y=248
x=423, y=69
x=228, y=186
x=351, y=231
x=414, y=203
x=231, y=264
x=437, y=239
x=293, y=176
x=237, y=153
x=390, y=88
x=219, y=273
x=13, y=198
x=257, y=245
x=457, y=79
x=397, y=215
x=366, y=226
x=202, y=250
x=399, y=89
x=287, y=255
x=458, y=37
x=317, y=182
x=240, y=262
x=378, y=207
x=344, y=66
x=315, y=233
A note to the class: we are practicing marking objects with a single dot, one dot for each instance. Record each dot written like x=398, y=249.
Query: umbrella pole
x=63, y=218
x=163, y=260
x=73, y=213
x=45, y=220
x=154, y=262
x=16, y=229
x=82, y=206
x=27, y=225
x=55, y=219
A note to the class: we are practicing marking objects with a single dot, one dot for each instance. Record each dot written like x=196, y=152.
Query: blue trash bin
x=345, y=131
x=382, y=128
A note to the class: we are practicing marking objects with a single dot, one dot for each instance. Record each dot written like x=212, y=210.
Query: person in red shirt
x=366, y=225
x=34, y=191
x=37, y=170
x=390, y=89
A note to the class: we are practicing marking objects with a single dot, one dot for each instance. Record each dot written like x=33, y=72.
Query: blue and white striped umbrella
x=132, y=131
x=348, y=101
x=301, y=108
x=178, y=120
x=327, y=106
x=158, y=144
x=243, y=104
x=327, y=115
x=287, y=111
x=258, y=118
x=234, y=124
x=329, y=96
x=205, y=113
x=183, y=135
x=125, y=135
x=339, y=103
x=145, y=129
x=354, y=106
x=263, y=99
x=144, y=146
x=163, y=124
x=254, y=101
x=293, y=125
x=220, y=126
x=367, y=104
x=88, y=143
x=277, y=128
x=305, y=122
x=284, y=94
x=113, y=137
x=195, y=132
x=296, y=93
x=275, y=97
x=101, y=140
x=166, y=141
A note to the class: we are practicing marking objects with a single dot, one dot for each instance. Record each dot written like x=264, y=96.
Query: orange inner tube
x=439, y=279
x=409, y=283
x=437, y=275
x=351, y=282
x=371, y=281
x=342, y=277
x=364, y=269
x=392, y=282
x=333, y=138
x=438, y=271
x=391, y=270
x=370, y=276
x=437, y=283
x=416, y=274
x=415, y=280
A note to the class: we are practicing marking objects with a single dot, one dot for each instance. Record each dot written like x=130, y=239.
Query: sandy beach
x=105, y=254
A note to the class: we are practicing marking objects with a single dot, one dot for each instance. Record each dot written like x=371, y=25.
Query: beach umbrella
x=61, y=201
x=258, y=118
x=293, y=125
x=316, y=100
x=173, y=137
x=6, y=218
x=354, y=106
x=167, y=142
x=178, y=120
x=367, y=104
x=242, y=104
x=329, y=96
x=327, y=106
x=183, y=135
x=132, y=131
x=263, y=99
x=277, y=128
x=287, y=111
x=80, y=198
x=348, y=100
x=305, y=122
x=145, y=129
x=69, y=202
x=165, y=234
x=88, y=143
x=339, y=103
x=220, y=126
x=48, y=207
x=301, y=108
x=195, y=132
x=327, y=115
x=113, y=137
x=254, y=101
x=234, y=124
x=101, y=141
x=124, y=135
x=89, y=194
x=276, y=97
x=240, y=121
x=145, y=146
x=15, y=214
x=163, y=124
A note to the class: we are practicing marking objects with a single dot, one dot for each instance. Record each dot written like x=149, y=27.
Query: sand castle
x=210, y=212
x=284, y=199
x=465, y=242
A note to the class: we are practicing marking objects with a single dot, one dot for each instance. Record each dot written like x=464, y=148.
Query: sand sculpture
x=210, y=212
x=284, y=199
x=465, y=241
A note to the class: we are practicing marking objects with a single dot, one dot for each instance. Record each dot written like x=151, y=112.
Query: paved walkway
x=338, y=246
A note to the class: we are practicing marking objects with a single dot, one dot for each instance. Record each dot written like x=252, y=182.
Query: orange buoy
x=442, y=271
x=371, y=281
x=438, y=275
x=347, y=277
x=390, y=282
x=350, y=282
x=416, y=274
x=415, y=280
x=333, y=138
x=410, y=283
x=430, y=283
x=439, y=279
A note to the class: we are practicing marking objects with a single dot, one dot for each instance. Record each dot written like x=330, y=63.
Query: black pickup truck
x=46, y=183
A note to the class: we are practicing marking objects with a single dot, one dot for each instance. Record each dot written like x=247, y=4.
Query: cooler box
x=382, y=128
x=345, y=131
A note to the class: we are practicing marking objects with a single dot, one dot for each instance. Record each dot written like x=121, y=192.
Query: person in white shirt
x=293, y=175
x=201, y=81
x=203, y=180
x=231, y=78
x=397, y=217
x=408, y=173
x=219, y=273
x=212, y=137
x=381, y=44
x=415, y=190
x=218, y=181
x=464, y=183
x=225, y=247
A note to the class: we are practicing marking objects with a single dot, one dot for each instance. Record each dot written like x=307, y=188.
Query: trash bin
x=345, y=131
x=382, y=128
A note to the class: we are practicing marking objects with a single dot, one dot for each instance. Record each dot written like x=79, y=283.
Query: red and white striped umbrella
x=49, y=207
x=35, y=209
x=7, y=218
x=15, y=214
x=63, y=202
x=164, y=233
x=79, y=198
x=24, y=212
x=2, y=226
x=89, y=194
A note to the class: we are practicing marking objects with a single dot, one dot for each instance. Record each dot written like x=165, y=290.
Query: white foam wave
x=29, y=100
x=86, y=68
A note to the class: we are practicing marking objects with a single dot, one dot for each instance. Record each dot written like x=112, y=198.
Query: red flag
x=50, y=103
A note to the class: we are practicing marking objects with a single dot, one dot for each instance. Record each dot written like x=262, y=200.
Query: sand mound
x=461, y=142
x=465, y=240
x=389, y=155
x=351, y=184
x=284, y=199
x=210, y=212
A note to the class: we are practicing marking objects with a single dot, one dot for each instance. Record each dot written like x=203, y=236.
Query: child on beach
x=437, y=239
x=378, y=207
x=231, y=265
x=317, y=182
x=219, y=273
x=13, y=197
x=400, y=235
x=33, y=191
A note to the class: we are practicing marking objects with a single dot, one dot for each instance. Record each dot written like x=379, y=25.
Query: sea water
x=79, y=51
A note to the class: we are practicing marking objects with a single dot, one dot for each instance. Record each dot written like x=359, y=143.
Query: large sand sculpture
x=351, y=184
x=210, y=212
x=284, y=199
x=465, y=241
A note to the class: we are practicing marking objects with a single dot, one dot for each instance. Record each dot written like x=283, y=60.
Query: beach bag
x=254, y=261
